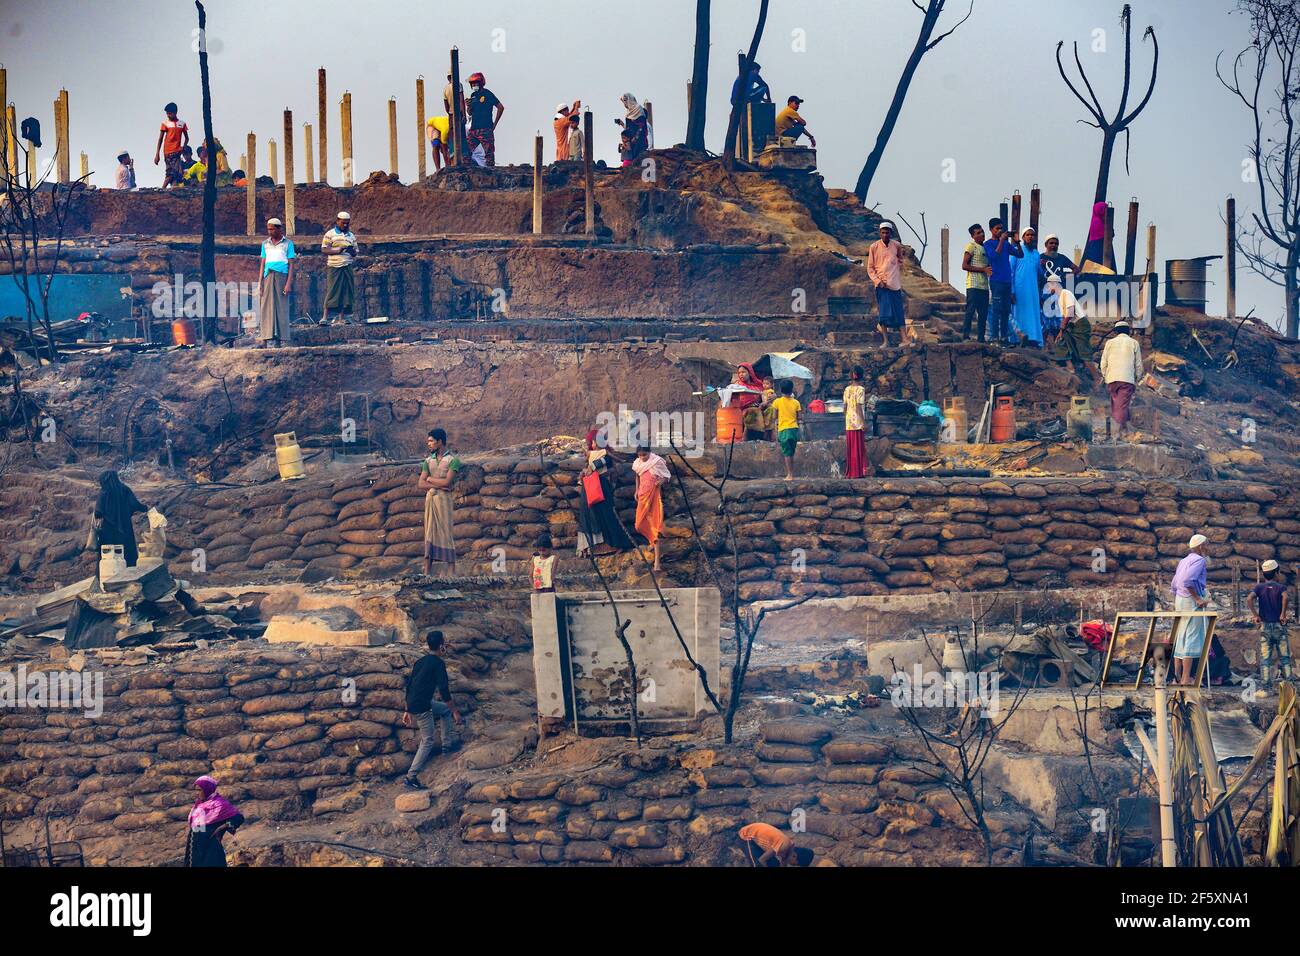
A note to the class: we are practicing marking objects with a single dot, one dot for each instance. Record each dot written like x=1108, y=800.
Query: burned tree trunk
x=207, y=248
x=1119, y=123
x=699, y=78
x=738, y=107
x=931, y=13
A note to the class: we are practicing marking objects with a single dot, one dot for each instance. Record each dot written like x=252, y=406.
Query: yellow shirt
x=786, y=118
x=787, y=412
x=442, y=125
x=855, y=397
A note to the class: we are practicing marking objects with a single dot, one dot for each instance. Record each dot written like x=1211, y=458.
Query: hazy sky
x=988, y=98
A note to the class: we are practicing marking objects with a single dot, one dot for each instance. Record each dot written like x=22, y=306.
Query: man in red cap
x=484, y=111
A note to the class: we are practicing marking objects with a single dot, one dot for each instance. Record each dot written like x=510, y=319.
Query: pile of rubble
x=141, y=608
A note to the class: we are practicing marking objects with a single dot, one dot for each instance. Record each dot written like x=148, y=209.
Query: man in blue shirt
x=1000, y=249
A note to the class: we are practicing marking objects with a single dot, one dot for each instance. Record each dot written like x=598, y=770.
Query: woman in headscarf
x=1026, y=294
x=599, y=530
x=635, y=129
x=211, y=818
x=651, y=472
x=749, y=402
x=1095, y=250
x=113, y=510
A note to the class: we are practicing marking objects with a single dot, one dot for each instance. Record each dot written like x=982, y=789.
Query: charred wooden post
x=392, y=135
x=347, y=138
x=457, y=111
x=537, y=184
x=309, y=172
x=1230, y=259
x=1131, y=238
x=321, y=128
x=289, y=215
x=250, y=172
x=588, y=184
x=420, y=165
x=943, y=255
x=1035, y=206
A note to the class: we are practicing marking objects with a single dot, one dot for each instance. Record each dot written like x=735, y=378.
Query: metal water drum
x=288, y=456
x=1185, y=282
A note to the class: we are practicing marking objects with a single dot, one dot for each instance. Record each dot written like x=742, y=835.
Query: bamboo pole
x=943, y=255
x=1035, y=206
x=588, y=184
x=250, y=173
x=420, y=149
x=392, y=135
x=537, y=184
x=289, y=216
x=346, y=111
x=1230, y=261
x=309, y=172
x=457, y=111
x=321, y=127
x=275, y=166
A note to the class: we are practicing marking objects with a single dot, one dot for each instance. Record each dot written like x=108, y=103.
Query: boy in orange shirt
x=768, y=846
x=173, y=136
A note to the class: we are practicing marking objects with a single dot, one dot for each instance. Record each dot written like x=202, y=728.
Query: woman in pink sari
x=211, y=818
x=1095, y=250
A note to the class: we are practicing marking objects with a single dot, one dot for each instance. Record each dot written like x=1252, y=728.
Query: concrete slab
x=315, y=629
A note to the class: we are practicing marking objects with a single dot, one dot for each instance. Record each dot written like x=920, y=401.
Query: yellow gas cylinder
x=1078, y=420
x=954, y=411
x=288, y=456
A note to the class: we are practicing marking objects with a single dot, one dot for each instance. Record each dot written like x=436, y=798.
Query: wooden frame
x=1153, y=616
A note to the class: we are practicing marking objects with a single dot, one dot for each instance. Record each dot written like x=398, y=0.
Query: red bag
x=592, y=489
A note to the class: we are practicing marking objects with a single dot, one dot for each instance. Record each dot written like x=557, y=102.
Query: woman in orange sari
x=651, y=472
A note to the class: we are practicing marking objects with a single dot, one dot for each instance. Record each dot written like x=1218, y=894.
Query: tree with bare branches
x=699, y=78
x=1264, y=77
x=34, y=214
x=955, y=741
x=746, y=621
x=738, y=107
x=925, y=42
x=1119, y=123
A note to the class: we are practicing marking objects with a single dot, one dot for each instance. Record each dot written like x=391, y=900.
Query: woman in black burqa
x=114, y=508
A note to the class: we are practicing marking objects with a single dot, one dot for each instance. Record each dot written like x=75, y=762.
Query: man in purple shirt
x=1189, y=595
x=1000, y=249
x=1268, y=602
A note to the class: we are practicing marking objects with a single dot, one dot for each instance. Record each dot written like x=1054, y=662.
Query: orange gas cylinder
x=1003, y=426
x=183, y=332
x=731, y=425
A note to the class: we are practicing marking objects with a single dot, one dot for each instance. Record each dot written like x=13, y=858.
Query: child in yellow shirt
x=788, y=411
